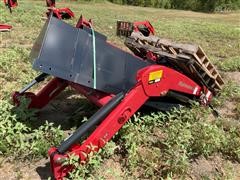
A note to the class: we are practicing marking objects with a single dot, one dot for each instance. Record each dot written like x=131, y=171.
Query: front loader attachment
x=60, y=13
x=118, y=82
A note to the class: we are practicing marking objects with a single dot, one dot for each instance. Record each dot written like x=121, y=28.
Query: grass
x=150, y=145
x=19, y=139
x=233, y=64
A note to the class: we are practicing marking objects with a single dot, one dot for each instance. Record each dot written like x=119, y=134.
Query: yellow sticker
x=156, y=75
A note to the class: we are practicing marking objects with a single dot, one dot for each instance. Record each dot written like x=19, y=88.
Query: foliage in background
x=195, y=5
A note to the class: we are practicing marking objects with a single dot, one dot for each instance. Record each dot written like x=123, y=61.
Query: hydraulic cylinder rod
x=93, y=121
x=38, y=79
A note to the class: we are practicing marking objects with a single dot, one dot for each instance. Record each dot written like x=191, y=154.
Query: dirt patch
x=234, y=76
x=24, y=171
x=202, y=167
x=111, y=169
x=228, y=109
x=214, y=167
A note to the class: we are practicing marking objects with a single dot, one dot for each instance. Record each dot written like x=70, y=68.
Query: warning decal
x=155, y=76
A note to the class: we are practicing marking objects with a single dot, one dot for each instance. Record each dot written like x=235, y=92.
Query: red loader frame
x=10, y=4
x=127, y=105
x=5, y=27
x=115, y=111
x=60, y=13
x=125, y=28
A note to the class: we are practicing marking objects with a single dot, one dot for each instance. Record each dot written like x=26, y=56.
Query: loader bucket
x=66, y=52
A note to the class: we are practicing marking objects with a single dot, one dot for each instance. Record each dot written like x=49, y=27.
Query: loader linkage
x=125, y=28
x=60, y=13
x=10, y=4
x=122, y=84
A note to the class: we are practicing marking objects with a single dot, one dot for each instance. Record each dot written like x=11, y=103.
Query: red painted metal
x=83, y=22
x=152, y=81
x=170, y=80
x=97, y=97
x=60, y=13
x=45, y=95
x=55, y=87
x=151, y=56
x=5, y=27
x=134, y=99
x=147, y=24
x=50, y=3
x=11, y=3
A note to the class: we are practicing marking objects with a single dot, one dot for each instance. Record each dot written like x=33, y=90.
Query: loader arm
x=152, y=81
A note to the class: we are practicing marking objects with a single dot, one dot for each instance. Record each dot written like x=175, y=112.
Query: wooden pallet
x=124, y=28
x=191, y=59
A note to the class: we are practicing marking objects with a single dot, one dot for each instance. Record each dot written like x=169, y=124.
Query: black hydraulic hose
x=97, y=118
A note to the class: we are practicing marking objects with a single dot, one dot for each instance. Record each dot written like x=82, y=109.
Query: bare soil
x=25, y=171
x=229, y=107
x=214, y=167
x=234, y=76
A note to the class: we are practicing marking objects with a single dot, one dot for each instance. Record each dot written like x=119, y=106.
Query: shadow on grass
x=45, y=171
x=67, y=110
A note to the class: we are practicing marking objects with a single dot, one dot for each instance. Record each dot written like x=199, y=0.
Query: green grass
x=19, y=139
x=150, y=145
x=232, y=64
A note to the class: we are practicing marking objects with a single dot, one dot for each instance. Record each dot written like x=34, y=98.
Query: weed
x=232, y=64
x=237, y=110
x=230, y=92
x=231, y=149
x=87, y=170
x=20, y=140
x=163, y=144
x=208, y=139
